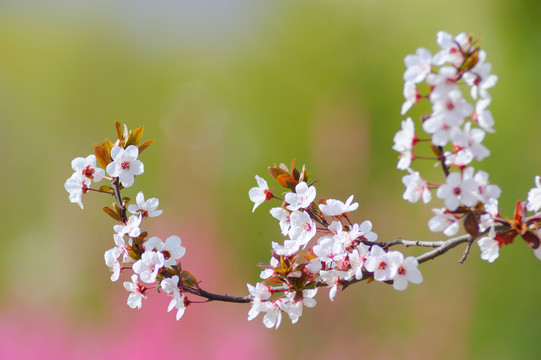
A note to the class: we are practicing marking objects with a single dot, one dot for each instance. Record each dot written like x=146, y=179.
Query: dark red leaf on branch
x=471, y=224
x=531, y=239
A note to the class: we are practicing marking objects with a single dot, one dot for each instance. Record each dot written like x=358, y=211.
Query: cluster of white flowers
x=460, y=126
x=149, y=259
x=339, y=255
x=85, y=171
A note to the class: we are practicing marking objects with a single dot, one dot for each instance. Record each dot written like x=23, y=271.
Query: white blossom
x=534, y=196
x=490, y=248
x=443, y=221
x=418, y=66
x=383, y=264
x=135, y=299
x=416, y=188
x=146, y=208
x=259, y=194
x=302, y=229
x=301, y=198
x=125, y=165
x=336, y=207
x=407, y=272
x=404, y=141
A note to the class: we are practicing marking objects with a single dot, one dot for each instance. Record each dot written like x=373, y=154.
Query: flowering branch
x=323, y=247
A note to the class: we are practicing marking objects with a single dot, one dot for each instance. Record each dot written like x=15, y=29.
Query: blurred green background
x=227, y=88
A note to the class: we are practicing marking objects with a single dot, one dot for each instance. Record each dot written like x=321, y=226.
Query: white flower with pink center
x=444, y=221
x=147, y=208
x=125, y=165
x=131, y=227
x=303, y=229
x=407, y=272
x=458, y=191
x=416, y=188
x=383, y=264
x=149, y=266
x=87, y=167
x=301, y=198
x=418, y=66
x=258, y=195
x=170, y=287
x=137, y=292
x=172, y=249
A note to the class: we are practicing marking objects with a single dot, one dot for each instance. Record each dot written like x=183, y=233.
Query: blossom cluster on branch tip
x=154, y=263
x=339, y=253
x=454, y=130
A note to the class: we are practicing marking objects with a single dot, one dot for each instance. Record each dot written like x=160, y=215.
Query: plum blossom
x=301, y=198
x=131, y=227
x=357, y=257
x=407, y=272
x=534, y=196
x=87, y=167
x=479, y=78
x=303, y=229
x=482, y=116
x=273, y=316
x=468, y=141
x=383, y=264
x=172, y=249
x=293, y=307
x=111, y=256
x=146, y=208
x=336, y=207
x=76, y=186
x=451, y=48
x=258, y=195
x=417, y=66
x=404, y=142
x=149, y=266
x=443, y=83
x=490, y=248
x=333, y=277
x=282, y=215
x=328, y=250
x=458, y=190
x=411, y=95
x=138, y=292
x=416, y=188
x=443, y=221
x=125, y=165
x=485, y=192
x=289, y=248
x=170, y=287
x=447, y=113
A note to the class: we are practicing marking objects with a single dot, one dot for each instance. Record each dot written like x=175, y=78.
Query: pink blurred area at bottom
x=207, y=331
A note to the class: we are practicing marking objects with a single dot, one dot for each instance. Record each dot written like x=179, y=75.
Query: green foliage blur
x=228, y=88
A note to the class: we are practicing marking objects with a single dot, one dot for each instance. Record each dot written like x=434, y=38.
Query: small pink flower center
x=382, y=265
x=125, y=165
x=89, y=172
x=401, y=270
x=450, y=106
x=457, y=191
x=166, y=254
